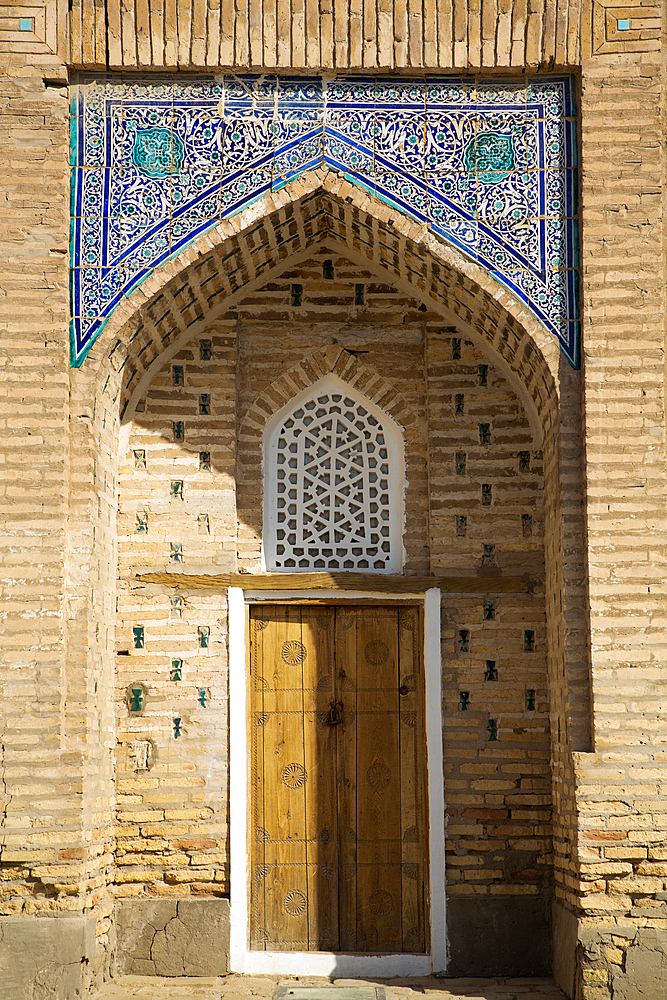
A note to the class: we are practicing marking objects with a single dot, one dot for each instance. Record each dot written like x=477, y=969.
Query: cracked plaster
x=165, y=937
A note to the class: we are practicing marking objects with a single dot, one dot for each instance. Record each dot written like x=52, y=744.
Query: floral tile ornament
x=489, y=165
x=156, y=151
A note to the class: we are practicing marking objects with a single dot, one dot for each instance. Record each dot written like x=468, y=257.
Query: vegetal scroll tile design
x=488, y=165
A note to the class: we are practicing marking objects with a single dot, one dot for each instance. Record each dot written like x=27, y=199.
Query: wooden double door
x=338, y=783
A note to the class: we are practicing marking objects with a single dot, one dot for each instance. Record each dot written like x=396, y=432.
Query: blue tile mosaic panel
x=490, y=166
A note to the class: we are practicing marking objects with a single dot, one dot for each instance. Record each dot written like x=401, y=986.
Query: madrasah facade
x=333, y=491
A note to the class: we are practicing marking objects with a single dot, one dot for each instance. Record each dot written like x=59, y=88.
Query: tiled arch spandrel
x=487, y=166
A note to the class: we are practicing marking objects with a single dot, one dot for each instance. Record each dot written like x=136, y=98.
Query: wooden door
x=338, y=803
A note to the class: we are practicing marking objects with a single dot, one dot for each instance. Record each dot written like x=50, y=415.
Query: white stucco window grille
x=333, y=484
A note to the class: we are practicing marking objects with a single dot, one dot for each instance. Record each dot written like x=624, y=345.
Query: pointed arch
x=322, y=208
x=319, y=210
x=334, y=360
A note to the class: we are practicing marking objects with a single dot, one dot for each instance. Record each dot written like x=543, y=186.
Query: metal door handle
x=335, y=716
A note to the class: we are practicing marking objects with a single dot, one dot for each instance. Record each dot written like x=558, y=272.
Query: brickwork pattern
x=621, y=824
x=172, y=808
x=130, y=353
x=54, y=854
x=177, y=505
x=37, y=29
x=356, y=34
x=171, y=818
x=385, y=363
x=181, y=453
x=486, y=492
x=62, y=429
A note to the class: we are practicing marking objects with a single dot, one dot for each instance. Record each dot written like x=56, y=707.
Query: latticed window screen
x=332, y=487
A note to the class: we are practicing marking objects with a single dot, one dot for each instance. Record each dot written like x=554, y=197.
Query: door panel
x=294, y=892
x=338, y=810
x=346, y=678
x=412, y=731
x=375, y=817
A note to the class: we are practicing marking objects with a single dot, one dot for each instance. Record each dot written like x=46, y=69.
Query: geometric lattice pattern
x=487, y=165
x=333, y=498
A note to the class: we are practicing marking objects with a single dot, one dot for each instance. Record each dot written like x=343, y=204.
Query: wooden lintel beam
x=342, y=581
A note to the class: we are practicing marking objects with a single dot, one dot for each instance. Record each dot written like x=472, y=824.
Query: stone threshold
x=237, y=987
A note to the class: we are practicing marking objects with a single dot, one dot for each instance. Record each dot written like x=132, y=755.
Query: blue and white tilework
x=489, y=165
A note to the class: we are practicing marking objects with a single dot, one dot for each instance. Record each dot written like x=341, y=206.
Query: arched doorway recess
x=182, y=300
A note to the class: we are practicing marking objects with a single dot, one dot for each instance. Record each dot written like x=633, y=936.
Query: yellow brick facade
x=129, y=504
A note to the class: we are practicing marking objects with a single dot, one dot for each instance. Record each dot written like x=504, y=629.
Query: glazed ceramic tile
x=489, y=165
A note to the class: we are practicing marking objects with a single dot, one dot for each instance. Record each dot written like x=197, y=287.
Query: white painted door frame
x=320, y=963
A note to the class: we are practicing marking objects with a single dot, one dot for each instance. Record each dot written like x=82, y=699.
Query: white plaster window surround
x=333, y=484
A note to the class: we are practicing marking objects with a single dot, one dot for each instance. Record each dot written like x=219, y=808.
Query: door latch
x=335, y=714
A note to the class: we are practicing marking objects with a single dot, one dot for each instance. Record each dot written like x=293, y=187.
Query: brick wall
x=177, y=506
x=621, y=829
x=61, y=478
x=487, y=515
x=383, y=350
x=55, y=801
x=171, y=825
x=356, y=34
x=35, y=472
